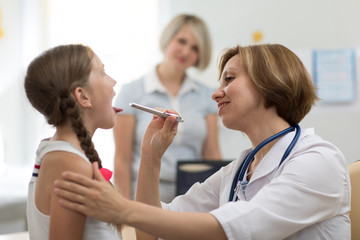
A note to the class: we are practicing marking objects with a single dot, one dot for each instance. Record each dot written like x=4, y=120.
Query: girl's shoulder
x=56, y=162
x=57, y=156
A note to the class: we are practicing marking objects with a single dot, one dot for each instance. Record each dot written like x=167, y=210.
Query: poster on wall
x=335, y=75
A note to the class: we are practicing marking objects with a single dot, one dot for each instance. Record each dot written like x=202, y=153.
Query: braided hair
x=50, y=81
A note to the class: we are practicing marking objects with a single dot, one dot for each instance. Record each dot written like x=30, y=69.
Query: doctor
x=292, y=184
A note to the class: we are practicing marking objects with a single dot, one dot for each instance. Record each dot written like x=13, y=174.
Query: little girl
x=68, y=85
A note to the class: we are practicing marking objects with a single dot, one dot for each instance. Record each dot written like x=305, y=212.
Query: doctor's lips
x=221, y=104
x=117, y=110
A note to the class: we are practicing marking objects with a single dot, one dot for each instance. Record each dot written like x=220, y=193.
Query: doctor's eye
x=228, y=79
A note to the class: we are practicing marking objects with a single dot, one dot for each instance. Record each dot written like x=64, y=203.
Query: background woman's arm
x=124, y=136
x=211, y=150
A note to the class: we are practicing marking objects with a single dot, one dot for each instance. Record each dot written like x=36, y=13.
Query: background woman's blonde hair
x=200, y=32
x=279, y=75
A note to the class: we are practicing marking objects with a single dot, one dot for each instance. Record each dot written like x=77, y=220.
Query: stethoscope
x=238, y=182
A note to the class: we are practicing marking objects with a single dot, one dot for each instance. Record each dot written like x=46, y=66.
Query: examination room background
x=303, y=26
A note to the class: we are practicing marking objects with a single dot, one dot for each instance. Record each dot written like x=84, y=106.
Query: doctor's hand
x=159, y=135
x=91, y=197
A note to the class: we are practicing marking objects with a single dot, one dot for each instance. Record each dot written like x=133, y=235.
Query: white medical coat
x=307, y=197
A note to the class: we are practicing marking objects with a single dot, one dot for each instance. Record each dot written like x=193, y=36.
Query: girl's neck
x=66, y=133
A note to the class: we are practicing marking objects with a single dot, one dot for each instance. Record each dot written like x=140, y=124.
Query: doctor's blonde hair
x=280, y=77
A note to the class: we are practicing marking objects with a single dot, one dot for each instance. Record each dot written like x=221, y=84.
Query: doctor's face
x=239, y=102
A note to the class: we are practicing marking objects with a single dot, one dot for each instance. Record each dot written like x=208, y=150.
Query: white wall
x=22, y=40
x=10, y=72
x=305, y=24
x=299, y=25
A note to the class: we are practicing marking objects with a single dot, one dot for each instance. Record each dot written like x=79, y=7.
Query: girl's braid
x=69, y=106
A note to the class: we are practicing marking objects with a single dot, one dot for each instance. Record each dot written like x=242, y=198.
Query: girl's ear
x=82, y=97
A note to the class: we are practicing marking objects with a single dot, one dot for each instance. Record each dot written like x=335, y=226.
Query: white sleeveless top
x=39, y=223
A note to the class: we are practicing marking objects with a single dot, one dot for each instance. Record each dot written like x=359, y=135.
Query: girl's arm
x=64, y=223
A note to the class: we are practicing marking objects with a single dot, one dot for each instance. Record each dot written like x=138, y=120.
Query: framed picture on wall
x=335, y=75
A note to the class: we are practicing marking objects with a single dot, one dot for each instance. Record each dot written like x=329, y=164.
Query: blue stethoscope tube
x=245, y=164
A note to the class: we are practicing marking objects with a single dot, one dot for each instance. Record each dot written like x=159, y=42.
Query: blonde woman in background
x=185, y=43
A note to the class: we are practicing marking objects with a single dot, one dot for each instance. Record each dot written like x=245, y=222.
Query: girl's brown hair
x=279, y=75
x=50, y=82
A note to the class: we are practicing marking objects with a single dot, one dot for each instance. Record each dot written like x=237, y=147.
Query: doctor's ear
x=82, y=97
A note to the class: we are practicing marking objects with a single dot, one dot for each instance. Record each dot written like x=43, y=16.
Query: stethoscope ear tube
x=292, y=144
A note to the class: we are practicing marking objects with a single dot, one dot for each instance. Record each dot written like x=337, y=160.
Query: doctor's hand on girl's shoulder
x=92, y=197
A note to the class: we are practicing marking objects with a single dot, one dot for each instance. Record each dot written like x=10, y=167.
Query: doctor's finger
x=171, y=124
x=71, y=187
x=172, y=111
x=97, y=174
x=77, y=178
x=78, y=207
x=67, y=196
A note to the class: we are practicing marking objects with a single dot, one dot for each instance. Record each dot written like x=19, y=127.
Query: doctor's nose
x=218, y=94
